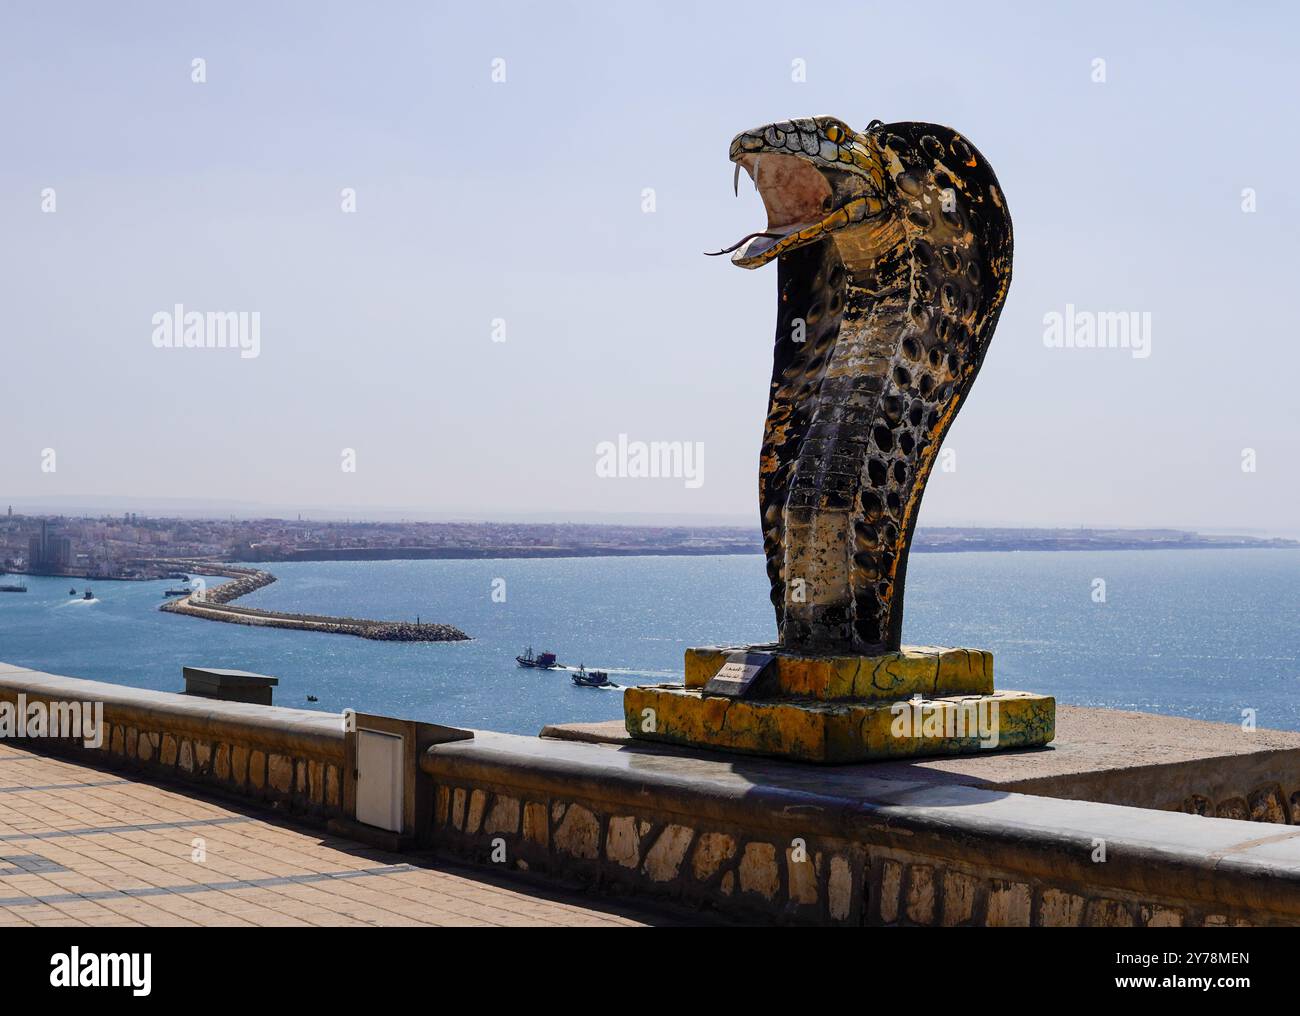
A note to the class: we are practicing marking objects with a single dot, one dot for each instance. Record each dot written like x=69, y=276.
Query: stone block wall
x=756, y=874
x=287, y=759
x=1266, y=803
x=247, y=766
x=911, y=889
x=1235, y=790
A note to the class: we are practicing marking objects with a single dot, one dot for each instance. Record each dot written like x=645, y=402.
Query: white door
x=379, y=779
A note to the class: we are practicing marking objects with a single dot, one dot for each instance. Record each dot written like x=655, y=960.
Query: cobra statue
x=893, y=251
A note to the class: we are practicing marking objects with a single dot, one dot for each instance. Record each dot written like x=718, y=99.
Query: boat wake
x=624, y=670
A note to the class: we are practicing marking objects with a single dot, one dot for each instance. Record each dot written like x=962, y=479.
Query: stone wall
x=1217, y=770
x=250, y=767
x=798, y=854
x=755, y=840
x=288, y=759
x=1266, y=803
x=801, y=881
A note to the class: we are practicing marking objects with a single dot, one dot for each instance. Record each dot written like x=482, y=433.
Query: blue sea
x=1200, y=633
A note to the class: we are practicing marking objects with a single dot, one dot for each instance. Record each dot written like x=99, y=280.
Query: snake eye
x=834, y=134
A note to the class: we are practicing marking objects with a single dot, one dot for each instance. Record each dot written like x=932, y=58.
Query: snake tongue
x=759, y=245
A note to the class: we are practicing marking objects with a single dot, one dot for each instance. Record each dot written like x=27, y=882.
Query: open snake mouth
x=808, y=194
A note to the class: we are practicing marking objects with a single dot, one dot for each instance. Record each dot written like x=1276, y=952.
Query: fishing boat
x=87, y=595
x=542, y=661
x=594, y=679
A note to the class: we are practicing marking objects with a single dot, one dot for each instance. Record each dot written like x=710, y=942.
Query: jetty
x=216, y=604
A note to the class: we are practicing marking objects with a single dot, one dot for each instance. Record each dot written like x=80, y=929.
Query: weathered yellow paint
x=925, y=670
x=841, y=731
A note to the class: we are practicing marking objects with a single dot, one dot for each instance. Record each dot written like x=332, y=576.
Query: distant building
x=48, y=552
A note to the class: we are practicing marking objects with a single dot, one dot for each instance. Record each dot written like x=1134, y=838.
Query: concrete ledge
x=299, y=730
x=1108, y=756
x=812, y=845
x=290, y=758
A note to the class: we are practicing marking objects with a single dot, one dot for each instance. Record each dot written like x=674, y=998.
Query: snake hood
x=893, y=249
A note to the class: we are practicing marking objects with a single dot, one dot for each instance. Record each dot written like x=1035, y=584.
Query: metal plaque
x=744, y=675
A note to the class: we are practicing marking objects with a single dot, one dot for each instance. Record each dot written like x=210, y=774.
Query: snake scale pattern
x=893, y=249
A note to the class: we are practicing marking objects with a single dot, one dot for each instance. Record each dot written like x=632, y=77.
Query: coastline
x=237, y=567
x=216, y=604
x=557, y=543
x=969, y=547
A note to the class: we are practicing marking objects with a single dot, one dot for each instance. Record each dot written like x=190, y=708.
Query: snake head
x=816, y=176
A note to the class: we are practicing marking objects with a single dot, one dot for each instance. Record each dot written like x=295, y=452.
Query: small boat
x=13, y=588
x=87, y=595
x=594, y=679
x=542, y=661
x=72, y=591
x=312, y=698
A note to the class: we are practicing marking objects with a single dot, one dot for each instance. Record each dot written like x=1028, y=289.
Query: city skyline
x=135, y=546
x=176, y=508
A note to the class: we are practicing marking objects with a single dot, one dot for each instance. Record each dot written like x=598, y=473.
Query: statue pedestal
x=920, y=701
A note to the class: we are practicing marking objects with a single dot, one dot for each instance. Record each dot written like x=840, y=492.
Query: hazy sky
x=523, y=201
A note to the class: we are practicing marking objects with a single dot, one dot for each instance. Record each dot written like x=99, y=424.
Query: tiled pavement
x=83, y=846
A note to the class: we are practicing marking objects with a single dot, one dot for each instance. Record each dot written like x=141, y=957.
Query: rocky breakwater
x=216, y=604
x=398, y=631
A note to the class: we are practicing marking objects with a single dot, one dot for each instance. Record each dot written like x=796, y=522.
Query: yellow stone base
x=813, y=730
x=913, y=670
